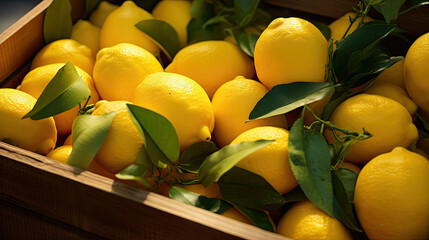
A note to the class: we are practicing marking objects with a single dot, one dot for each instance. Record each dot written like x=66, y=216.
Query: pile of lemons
x=207, y=93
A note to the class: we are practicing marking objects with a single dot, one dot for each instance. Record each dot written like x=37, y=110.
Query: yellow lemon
x=36, y=81
x=87, y=34
x=99, y=15
x=119, y=28
x=394, y=92
x=270, y=162
x=416, y=72
x=340, y=26
x=232, y=104
x=182, y=101
x=123, y=141
x=392, y=197
x=175, y=13
x=38, y=136
x=387, y=120
x=212, y=63
x=290, y=50
x=69, y=140
x=65, y=50
x=121, y=68
x=61, y=154
x=305, y=221
x=393, y=75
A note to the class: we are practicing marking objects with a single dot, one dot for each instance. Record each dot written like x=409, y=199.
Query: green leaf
x=343, y=182
x=337, y=98
x=365, y=36
x=250, y=190
x=162, y=34
x=215, y=20
x=89, y=132
x=295, y=195
x=418, y=3
x=90, y=5
x=65, y=91
x=287, y=97
x=218, y=163
x=160, y=138
x=244, y=11
x=261, y=18
x=246, y=41
x=310, y=162
x=215, y=205
x=197, y=33
x=199, y=9
x=389, y=9
x=57, y=23
x=193, y=156
x=324, y=29
x=135, y=172
x=259, y=218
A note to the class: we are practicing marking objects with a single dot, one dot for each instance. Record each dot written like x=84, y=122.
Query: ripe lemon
x=61, y=154
x=416, y=72
x=69, y=140
x=175, y=13
x=38, y=136
x=270, y=162
x=387, y=120
x=212, y=63
x=123, y=141
x=36, y=81
x=392, y=197
x=339, y=26
x=86, y=33
x=121, y=68
x=290, y=50
x=306, y=221
x=393, y=75
x=232, y=104
x=182, y=101
x=119, y=28
x=65, y=50
x=99, y=15
x=394, y=92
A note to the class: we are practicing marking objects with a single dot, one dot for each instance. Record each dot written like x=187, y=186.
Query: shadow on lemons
x=86, y=33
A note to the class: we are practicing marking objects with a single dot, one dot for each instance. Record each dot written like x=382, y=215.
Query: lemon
x=123, y=141
x=306, y=221
x=392, y=197
x=69, y=140
x=120, y=69
x=340, y=26
x=416, y=72
x=387, y=120
x=270, y=162
x=212, y=63
x=232, y=104
x=182, y=101
x=36, y=81
x=64, y=50
x=394, y=92
x=99, y=15
x=351, y=166
x=290, y=50
x=119, y=28
x=38, y=136
x=61, y=154
x=175, y=13
x=393, y=75
x=87, y=34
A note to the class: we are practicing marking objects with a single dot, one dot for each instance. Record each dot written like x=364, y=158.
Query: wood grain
x=22, y=40
x=107, y=208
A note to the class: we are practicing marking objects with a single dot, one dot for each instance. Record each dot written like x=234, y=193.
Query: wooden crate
x=44, y=199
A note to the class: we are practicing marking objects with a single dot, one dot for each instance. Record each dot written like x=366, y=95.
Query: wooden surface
x=416, y=21
x=105, y=208
x=22, y=40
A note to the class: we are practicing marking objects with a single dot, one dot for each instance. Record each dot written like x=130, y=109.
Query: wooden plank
x=416, y=21
x=20, y=223
x=107, y=208
x=22, y=40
